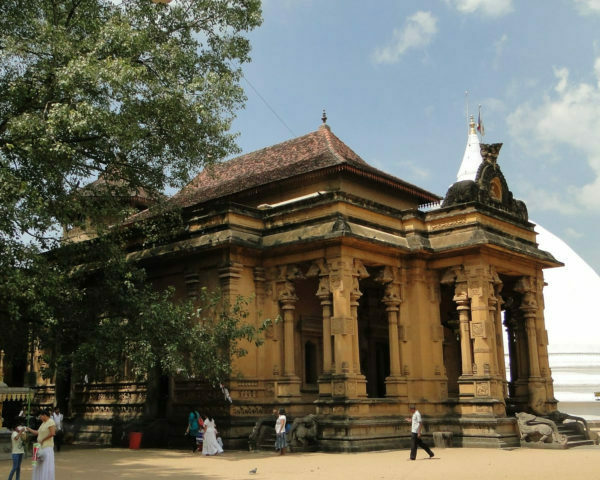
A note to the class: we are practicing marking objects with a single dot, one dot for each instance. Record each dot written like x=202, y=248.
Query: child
x=18, y=450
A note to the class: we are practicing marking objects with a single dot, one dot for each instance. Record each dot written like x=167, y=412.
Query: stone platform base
x=352, y=434
x=5, y=444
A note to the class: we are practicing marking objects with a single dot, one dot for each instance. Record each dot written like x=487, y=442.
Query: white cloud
x=490, y=8
x=499, y=49
x=414, y=170
x=573, y=233
x=588, y=6
x=569, y=117
x=418, y=32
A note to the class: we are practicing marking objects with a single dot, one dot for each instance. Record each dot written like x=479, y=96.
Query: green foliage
x=166, y=336
x=139, y=96
x=141, y=93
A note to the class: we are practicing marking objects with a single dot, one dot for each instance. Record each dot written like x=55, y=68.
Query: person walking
x=17, y=438
x=211, y=446
x=415, y=434
x=194, y=425
x=58, y=422
x=280, y=440
x=44, y=469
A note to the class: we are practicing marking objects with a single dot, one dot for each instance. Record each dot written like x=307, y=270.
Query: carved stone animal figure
x=303, y=431
x=532, y=427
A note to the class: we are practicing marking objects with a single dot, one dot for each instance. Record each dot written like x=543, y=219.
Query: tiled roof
x=315, y=151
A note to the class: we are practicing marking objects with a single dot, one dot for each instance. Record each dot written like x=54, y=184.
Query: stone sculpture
x=538, y=429
x=303, y=433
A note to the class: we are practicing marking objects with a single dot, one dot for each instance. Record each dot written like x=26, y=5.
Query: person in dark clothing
x=194, y=425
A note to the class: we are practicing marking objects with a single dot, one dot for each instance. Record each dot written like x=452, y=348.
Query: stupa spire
x=472, y=157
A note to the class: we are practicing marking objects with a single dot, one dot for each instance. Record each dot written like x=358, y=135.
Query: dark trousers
x=58, y=440
x=415, y=441
x=193, y=442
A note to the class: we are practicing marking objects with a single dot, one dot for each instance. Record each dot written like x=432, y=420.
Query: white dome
x=570, y=299
x=573, y=328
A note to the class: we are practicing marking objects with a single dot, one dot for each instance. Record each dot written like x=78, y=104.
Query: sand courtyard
x=448, y=464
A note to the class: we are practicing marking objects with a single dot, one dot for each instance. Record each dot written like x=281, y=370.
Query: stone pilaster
x=426, y=375
x=229, y=276
x=192, y=284
x=346, y=381
x=487, y=383
x=274, y=333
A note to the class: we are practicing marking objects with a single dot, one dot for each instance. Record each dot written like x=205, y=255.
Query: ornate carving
x=248, y=410
x=478, y=330
x=303, y=433
x=341, y=326
x=489, y=187
x=482, y=389
x=538, y=429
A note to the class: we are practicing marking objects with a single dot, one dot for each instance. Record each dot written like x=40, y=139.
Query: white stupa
x=573, y=325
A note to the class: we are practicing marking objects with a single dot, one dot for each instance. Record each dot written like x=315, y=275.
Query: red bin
x=135, y=440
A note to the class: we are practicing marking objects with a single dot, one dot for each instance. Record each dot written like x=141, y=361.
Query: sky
x=392, y=77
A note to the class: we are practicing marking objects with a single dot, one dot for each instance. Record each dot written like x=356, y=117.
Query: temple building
x=388, y=295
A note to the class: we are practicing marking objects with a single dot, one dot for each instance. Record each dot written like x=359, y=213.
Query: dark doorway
x=310, y=363
x=373, y=335
x=451, y=345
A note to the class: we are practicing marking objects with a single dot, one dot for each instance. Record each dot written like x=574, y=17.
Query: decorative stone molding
x=229, y=276
x=192, y=284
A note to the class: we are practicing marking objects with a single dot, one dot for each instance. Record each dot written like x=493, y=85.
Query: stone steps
x=575, y=435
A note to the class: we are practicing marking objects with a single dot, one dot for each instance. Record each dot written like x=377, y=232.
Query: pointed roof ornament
x=472, y=157
x=324, y=117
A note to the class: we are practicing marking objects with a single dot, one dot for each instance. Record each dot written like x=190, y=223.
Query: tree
x=138, y=94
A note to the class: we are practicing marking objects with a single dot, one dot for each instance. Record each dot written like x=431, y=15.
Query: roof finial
x=324, y=117
x=472, y=125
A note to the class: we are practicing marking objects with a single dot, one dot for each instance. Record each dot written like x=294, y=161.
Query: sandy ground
x=448, y=464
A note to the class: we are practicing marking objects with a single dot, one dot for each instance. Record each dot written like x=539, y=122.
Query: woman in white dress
x=210, y=446
x=44, y=469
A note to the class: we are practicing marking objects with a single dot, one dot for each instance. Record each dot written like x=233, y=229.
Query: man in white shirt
x=415, y=434
x=58, y=420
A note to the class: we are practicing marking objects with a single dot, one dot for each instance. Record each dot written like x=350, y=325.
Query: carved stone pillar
x=358, y=274
x=288, y=305
x=324, y=296
x=517, y=354
x=466, y=349
x=495, y=304
x=529, y=307
x=287, y=301
x=475, y=296
x=320, y=270
x=456, y=276
x=392, y=298
x=542, y=337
